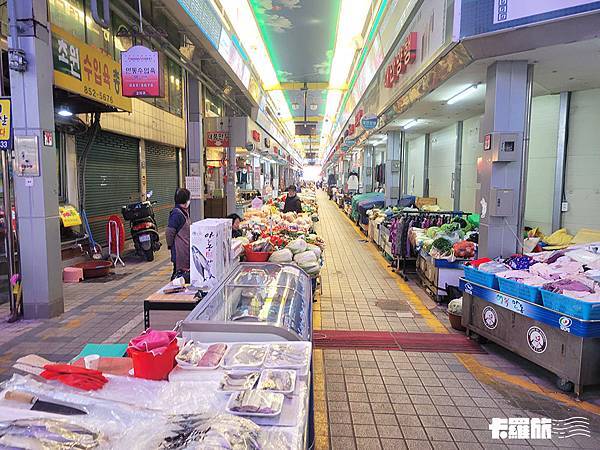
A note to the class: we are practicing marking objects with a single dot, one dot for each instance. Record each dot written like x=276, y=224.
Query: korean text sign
x=5, y=124
x=142, y=76
x=86, y=70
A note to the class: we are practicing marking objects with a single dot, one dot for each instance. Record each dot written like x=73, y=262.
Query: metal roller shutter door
x=111, y=178
x=161, y=178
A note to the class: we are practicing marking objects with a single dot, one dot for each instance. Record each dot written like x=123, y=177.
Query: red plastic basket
x=153, y=367
x=252, y=256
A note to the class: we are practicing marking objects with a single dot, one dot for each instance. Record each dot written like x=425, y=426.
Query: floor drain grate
x=392, y=305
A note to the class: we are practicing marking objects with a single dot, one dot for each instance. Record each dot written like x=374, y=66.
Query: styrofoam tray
x=279, y=398
x=238, y=372
x=187, y=366
x=265, y=373
x=233, y=349
x=304, y=346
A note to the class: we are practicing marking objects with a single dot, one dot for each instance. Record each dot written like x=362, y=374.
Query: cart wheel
x=478, y=338
x=564, y=385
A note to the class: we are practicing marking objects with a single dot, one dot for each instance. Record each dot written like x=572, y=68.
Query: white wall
x=415, y=161
x=582, y=180
x=471, y=150
x=542, y=162
x=441, y=166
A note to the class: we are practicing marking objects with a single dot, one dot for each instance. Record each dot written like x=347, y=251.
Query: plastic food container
x=252, y=256
x=480, y=277
x=520, y=290
x=244, y=356
x=289, y=375
x=574, y=307
x=188, y=366
x=276, y=360
x=274, y=398
x=247, y=380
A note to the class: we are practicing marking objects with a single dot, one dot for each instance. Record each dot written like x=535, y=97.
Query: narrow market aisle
x=369, y=398
x=359, y=293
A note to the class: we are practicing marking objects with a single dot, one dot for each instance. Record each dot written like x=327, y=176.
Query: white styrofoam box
x=210, y=251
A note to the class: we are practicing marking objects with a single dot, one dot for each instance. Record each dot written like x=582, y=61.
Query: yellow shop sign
x=85, y=70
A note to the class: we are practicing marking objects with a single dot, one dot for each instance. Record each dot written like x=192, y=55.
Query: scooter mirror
x=149, y=194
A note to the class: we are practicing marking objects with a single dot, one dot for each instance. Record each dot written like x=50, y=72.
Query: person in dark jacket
x=235, y=225
x=292, y=201
x=177, y=233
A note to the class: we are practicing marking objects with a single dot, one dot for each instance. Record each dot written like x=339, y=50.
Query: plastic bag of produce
x=312, y=270
x=315, y=249
x=282, y=256
x=297, y=246
x=306, y=258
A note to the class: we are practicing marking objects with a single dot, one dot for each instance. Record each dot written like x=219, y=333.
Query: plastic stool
x=72, y=274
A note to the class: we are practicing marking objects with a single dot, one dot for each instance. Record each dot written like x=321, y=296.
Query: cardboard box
x=210, y=252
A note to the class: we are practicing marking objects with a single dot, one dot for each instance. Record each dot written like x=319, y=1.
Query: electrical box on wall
x=396, y=165
x=505, y=147
x=502, y=202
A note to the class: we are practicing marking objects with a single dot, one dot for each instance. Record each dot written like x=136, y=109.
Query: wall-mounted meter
x=505, y=147
x=502, y=202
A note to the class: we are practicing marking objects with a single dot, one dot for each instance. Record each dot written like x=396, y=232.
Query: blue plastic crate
x=520, y=290
x=484, y=278
x=571, y=306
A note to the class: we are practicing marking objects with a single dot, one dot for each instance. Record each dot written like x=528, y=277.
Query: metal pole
x=426, y=165
x=9, y=244
x=458, y=165
x=561, y=159
x=525, y=156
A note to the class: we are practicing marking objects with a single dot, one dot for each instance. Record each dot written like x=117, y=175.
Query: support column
x=426, y=165
x=194, y=149
x=457, y=166
x=36, y=196
x=367, y=169
x=561, y=159
x=142, y=170
x=231, y=170
x=503, y=174
x=393, y=167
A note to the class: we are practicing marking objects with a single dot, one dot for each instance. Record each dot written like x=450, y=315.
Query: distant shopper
x=236, y=220
x=292, y=201
x=177, y=233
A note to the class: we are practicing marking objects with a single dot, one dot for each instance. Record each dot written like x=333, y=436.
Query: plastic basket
x=520, y=290
x=580, y=309
x=252, y=256
x=153, y=367
x=477, y=276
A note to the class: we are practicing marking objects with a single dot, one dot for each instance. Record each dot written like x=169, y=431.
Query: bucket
x=252, y=256
x=153, y=367
x=456, y=322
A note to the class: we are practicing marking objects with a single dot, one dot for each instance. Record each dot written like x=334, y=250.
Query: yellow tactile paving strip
x=379, y=399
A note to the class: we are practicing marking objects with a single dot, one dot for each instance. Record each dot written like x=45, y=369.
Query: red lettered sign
x=405, y=57
x=140, y=73
x=217, y=139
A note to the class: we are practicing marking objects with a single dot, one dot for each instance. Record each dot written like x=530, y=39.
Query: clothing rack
x=404, y=257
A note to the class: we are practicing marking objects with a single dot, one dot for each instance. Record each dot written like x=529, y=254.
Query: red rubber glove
x=77, y=377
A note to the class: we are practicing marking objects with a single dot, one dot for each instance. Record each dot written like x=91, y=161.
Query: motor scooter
x=144, y=230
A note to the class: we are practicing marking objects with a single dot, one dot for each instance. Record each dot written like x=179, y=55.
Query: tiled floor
x=370, y=399
x=364, y=399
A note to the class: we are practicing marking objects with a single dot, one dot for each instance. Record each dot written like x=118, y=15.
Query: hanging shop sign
x=5, y=124
x=405, y=57
x=217, y=139
x=205, y=17
x=267, y=141
x=351, y=129
x=484, y=16
x=357, y=118
x=350, y=142
x=142, y=74
x=87, y=71
x=369, y=121
x=255, y=136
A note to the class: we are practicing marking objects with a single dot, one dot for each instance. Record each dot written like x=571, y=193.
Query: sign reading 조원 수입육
x=5, y=124
x=85, y=70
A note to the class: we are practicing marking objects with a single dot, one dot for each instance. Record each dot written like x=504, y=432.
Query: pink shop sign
x=141, y=73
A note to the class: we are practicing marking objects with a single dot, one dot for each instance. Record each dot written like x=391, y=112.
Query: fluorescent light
x=462, y=94
x=63, y=112
x=352, y=19
x=410, y=124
